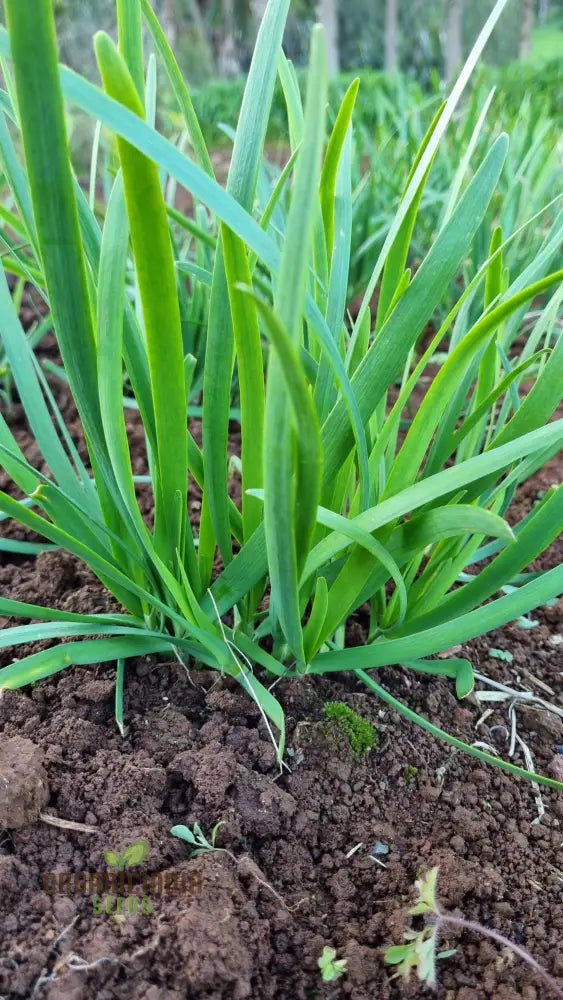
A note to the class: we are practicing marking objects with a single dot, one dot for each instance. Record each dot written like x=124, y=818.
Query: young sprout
x=197, y=838
x=133, y=855
x=331, y=967
x=421, y=951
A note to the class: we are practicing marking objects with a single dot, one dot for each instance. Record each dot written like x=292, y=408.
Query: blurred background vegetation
x=423, y=40
x=214, y=38
x=420, y=43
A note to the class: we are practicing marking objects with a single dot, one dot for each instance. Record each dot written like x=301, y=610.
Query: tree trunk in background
x=454, y=47
x=391, y=34
x=228, y=62
x=202, y=45
x=327, y=14
x=527, y=28
x=169, y=22
x=258, y=8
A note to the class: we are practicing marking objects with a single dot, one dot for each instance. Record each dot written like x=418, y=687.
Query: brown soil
x=253, y=922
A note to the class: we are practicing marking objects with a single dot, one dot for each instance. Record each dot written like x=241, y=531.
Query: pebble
x=380, y=850
x=555, y=768
x=547, y=725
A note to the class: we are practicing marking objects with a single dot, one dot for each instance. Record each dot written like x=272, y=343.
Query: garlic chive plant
x=339, y=509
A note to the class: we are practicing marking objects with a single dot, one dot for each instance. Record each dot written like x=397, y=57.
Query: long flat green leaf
x=251, y=375
x=34, y=51
x=543, y=399
x=156, y=278
x=36, y=667
x=411, y=455
x=13, y=460
x=332, y=160
x=401, y=330
x=249, y=566
x=450, y=633
x=429, y=727
x=110, y=321
x=426, y=159
x=20, y=609
x=241, y=186
x=449, y=481
x=346, y=593
x=540, y=531
x=307, y=441
x=466, y=159
x=17, y=180
x=289, y=507
x=130, y=30
x=130, y=127
x=396, y=260
x=181, y=92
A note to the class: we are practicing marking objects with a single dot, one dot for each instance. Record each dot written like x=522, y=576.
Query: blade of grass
x=332, y=159
x=288, y=510
x=241, y=185
x=51, y=187
x=397, y=256
x=429, y=727
x=179, y=88
x=442, y=637
x=130, y=33
x=408, y=319
x=156, y=278
x=541, y=530
x=431, y=148
x=251, y=375
x=411, y=455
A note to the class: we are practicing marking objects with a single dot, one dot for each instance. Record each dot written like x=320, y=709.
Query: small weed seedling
x=201, y=845
x=197, y=838
x=331, y=967
x=421, y=950
x=133, y=855
x=359, y=732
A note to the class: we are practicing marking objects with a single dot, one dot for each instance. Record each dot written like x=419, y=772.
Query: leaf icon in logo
x=135, y=853
x=111, y=858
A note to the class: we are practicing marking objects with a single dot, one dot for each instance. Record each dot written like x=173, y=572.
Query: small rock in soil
x=23, y=783
x=556, y=768
x=547, y=725
x=380, y=850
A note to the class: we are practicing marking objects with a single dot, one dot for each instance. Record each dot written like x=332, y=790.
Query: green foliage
x=359, y=732
x=197, y=839
x=379, y=99
x=420, y=952
x=332, y=968
x=542, y=83
x=133, y=855
x=526, y=109
x=357, y=489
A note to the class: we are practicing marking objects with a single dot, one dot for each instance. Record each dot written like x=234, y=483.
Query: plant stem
x=471, y=925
